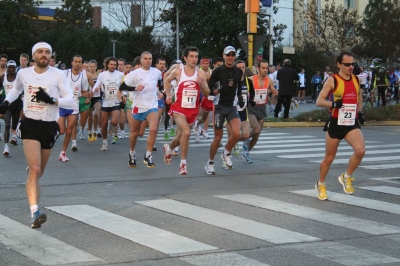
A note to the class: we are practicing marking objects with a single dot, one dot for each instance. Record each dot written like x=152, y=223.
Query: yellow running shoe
x=89, y=137
x=321, y=190
x=346, y=183
x=94, y=137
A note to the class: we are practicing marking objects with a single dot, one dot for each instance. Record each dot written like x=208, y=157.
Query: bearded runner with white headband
x=45, y=88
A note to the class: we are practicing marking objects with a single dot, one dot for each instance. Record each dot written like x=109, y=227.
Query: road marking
x=337, y=154
x=394, y=180
x=384, y=189
x=229, y=222
x=368, y=159
x=160, y=136
x=381, y=166
x=146, y=235
x=218, y=259
x=357, y=224
x=39, y=247
x=355, y=201
x=344, y=254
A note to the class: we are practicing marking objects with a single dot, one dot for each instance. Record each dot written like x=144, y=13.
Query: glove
x=241, y=101
x=361, y=118
x=4, y=107
x=43, y=96
x=121, y=105
x=337, y=104
x=252, y=103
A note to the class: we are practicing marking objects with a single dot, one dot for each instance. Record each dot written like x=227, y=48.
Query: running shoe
x=220, y=144
x=154, y=148
x=6, y=152
x=90, y=137
x=94, y=137
x=291, y=106
x=122, y=134
x=226, y=161
x=175, y=152
x=321, y=191
x=246, y=145
x=172, y=132
x=197, y=134
x=63, y=157
x=14, y=140
x=347, y=184
x=38, y=219
x=115, y=140
x=183, y=169
x=98, y=134
x=236, y=149
x=210, y=168
x=81, y=136
x=74, y=147
x=296, y=104
x=132, y=161
x=204, y=134
x=195, y=128
x=166, y=136
x=167, y=155
x=246, y=157
x=149, y=161
x=104, y=146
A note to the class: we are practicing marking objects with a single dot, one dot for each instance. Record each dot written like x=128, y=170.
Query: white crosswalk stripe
x=384, y=189
x=367, y=159
x=321, y=155
x=393, y=180
x=381, y=166
x=218, y=259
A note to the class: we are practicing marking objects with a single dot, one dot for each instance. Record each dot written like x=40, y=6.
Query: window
x=349, y=4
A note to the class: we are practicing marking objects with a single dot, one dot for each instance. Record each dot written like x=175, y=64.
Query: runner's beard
x=42, y=64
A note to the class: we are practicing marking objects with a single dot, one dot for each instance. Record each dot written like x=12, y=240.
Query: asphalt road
x=101, y=212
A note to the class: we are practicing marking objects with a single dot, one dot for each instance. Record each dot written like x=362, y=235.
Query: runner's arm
x=67, y=97
x=203, y=85
x=14, y=93
x=328, y=87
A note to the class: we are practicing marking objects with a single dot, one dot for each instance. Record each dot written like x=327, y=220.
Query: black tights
x=7, y=121
x=382, y=95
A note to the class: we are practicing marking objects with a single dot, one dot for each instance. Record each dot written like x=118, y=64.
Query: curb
x=322, y=124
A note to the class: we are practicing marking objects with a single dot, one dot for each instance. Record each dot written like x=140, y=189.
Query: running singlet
x=188, y=91
x=78, y=83
x=261, y=96
x=7, y=84
x=347, y=90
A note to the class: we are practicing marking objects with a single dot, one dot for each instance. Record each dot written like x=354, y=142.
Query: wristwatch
x=54, y=100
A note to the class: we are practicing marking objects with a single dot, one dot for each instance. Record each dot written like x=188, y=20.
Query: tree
x=18, y=32
x=379, y=30
x=74, y=14
x=210, y=25
x=327, y=30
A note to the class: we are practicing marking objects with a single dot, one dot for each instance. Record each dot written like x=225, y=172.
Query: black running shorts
x=45, y=132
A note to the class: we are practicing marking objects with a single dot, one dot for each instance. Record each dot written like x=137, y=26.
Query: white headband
x=41, y=45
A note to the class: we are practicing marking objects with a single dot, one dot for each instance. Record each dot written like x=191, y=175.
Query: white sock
x=210, y=161
x=104, y=141
x=183, y=162
x=226, y=152
x=73, y=142
x=321, y=183
x=148, y=153
x=33, y=209
x=346, y=175
x=168, y=149
x=133, y=153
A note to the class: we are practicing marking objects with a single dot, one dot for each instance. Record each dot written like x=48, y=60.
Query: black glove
x=4, y=107
x=252, y=103
x=43, y=96
x=121, y=105
x=337, y=104
x=361, y=118
x=241, y=101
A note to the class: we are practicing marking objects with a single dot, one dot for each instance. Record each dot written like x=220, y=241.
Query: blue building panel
x=267, y=3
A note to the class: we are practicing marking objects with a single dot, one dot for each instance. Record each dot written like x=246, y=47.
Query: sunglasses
x=349, y=64
x=231, y=55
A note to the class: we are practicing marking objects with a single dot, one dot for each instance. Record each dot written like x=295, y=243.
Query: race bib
x=261, y=96
x=245, y=103
x=8, y=88
x=76, y=94
x=211, y=98
x=347, y=115
x=189, y=98
x=111, y=92
x=33, y=104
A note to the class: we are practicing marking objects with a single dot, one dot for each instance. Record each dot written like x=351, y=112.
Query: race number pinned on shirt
x=244, y=95
x=189, y=98
x=111, y=92
x=8, y=87
x=261, y=96
x=347, y=114
x=32, y=103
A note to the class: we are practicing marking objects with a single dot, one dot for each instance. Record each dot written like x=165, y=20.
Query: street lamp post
x=113, y=42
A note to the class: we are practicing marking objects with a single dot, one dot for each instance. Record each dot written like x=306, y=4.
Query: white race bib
x=8, y=88
x=111, y=92
x=33, y=104
x=189, y=98
x=261, y=96
x=347, y=114
x=211, y=97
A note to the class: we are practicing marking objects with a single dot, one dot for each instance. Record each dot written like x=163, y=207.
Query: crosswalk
x=296, y=242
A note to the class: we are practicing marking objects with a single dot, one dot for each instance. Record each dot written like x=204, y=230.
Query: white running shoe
x=74, y=147
x=6, y=152
x=104, y=146
x=197, y=135
x=183, y=169
x=82, y=136
x=63, y=157
x=167, y=155
x=226, y=161
x=210, y=168
x=204, y=134
x=122, y=135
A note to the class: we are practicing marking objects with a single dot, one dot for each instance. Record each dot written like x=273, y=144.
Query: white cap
x=11, y=63
x=41, y=45
x=229, y=49
x=371, y=66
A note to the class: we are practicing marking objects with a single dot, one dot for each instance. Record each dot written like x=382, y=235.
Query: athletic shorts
x=128, y=106
x=95, y=100
x=190, y=113
x=45, y=132
x=259, y=111
x=302, y=88
x=207, y=104
x=110, y=109
x=82, y=105
x=66, y=112
x=161, y=103
x=16, y=106
x=142, y=116
x=223, y=112
x=243, y=115
x=336, y=131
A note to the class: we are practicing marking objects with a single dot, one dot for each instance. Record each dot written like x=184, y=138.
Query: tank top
x=347, y=90
x=261, y=94
x=188, y=90
x=7, y=84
